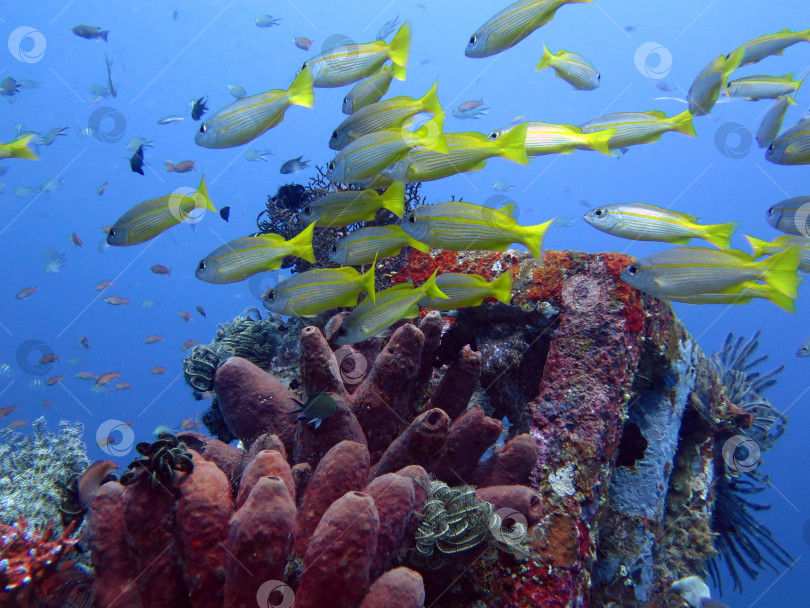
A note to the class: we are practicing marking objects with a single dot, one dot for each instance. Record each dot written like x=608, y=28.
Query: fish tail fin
x=202, y=190
x=600, y=140
x=368, y=280
x=398, y=72
x=430, y=100
x=682, y=123
x=104, y=34
x=719, y=235
x=400, y=47
x=393, y=199
x=512, y=145
x=418, y=245
x=301, y=244
x=502, y=287
x=20, y=149
x=781, y=300
x=300, y=92
x=432, y=290
x=545, y=60
x=758, y=246
x=780, y=270
x=431, y=135
x=533, y=238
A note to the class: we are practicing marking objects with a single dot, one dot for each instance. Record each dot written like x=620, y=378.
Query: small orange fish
x=169, y=166
x=105, y=379
x=152, y=339
x=185, y=315
x=188, y=424
x=86, y=376
x=49, y=358
x=26, y=293
x=185, y=166
x=116, y=301
x=158, y=370
x=16, y=424
x=102, y=285
x=123, y=386
x=5, y=411
x=127, y=423
x=102, y=188
x=47, y=404
x=53, y=380
x=84, y=342
x=188, y=344
x=160, y=269
x=91, y=480
x=74, y=238
x=105, y=441
x=200, y=310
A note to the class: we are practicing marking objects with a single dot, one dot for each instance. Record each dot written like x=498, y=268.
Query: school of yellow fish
x=378, y=150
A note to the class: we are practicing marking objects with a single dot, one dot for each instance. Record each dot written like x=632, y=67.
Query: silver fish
x=792, y=147
x=772, y=123
x=293, y=165
x=267, y=21
x=791, y=216
x=170, y=119
x=237, y=91
x=254, y=154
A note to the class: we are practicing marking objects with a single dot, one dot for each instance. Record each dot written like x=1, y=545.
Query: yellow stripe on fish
x=634, y=128
x=312, y=292
x=372, y=88
x=362, y=246
x=469, y=290
x=549, y=138
x=571, y=67
x=352, y=206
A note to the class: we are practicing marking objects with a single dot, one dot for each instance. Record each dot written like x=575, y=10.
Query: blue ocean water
x=167, y=54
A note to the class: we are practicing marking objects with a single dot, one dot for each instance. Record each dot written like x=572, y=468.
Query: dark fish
x=453, y=340
x=136, y=162
x=90, y=32
x=318, y=408
x=199, y=108
x=225, y=213
x=200, y=310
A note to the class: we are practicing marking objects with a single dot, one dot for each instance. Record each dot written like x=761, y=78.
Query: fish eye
x=632, y=270
x=770, y=211
x=412, y=219
x=341, y=331
x=201, y=265
x=771, y=147
x=334, y=134
x=270, y=296
x=599, y=213
x=599, y=77
x=304, y=65
x=493, y=135
x=307, y=209
x=112, y=232
x=202, y=129
x=331, y=166
x=473, y=39
x=334, y=248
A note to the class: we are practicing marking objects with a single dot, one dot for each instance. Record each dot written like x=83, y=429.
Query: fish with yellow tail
x=761, y=47
x=247, y=118
x=389, y=114
x=571, y=67
x=362, y=246
x=466, y=152
x=372, y=88
x=513, y=24
x=711, y=81
x=348, y=63
x=368, y=155
x=461, y=226
x=550, y=138
x=771, y=125
x=791, y=216
x=146, y=220
x=19, y=148
x=351, y=206
x=374, y=317
x=765, y=86
x=238, y=259
x=312, y=292
x=695, y=271
x=635, y=128
x=642, y=222
x=469, y=290
x=761, y=248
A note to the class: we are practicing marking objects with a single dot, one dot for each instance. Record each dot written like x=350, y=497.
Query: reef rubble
x=561, y=453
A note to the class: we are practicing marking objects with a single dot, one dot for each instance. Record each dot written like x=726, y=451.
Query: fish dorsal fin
x=509, y=209
x=657, y=113
x=272, y=237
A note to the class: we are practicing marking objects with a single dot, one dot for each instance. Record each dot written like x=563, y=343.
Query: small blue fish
x=317, y=408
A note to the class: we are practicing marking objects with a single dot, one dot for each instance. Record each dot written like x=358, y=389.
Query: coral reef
x=566, y=450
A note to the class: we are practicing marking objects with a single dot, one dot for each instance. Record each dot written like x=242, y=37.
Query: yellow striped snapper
x=634, y=128
x=363, y=245
x=761, y=248
x=771, y=44
x=465, y=152
x=367, y=156
x=243, y=257
x=513, y=24
x=388, y=114
x=315, y=291
x=372, y=88
x=792, y=147
x=461, y=226
x=351, y=206
x=469, y=290
x=791, y=216
x=549, y=138
x=247, y=118
x=741, y=294
x=694, y=271
x=764, y=87
x=571, y=67
x=349, y=63
x=642, y=222
x=146, y=220
x=772, y=123
x=19, y=148
x=706, y=88
x=375, y=317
